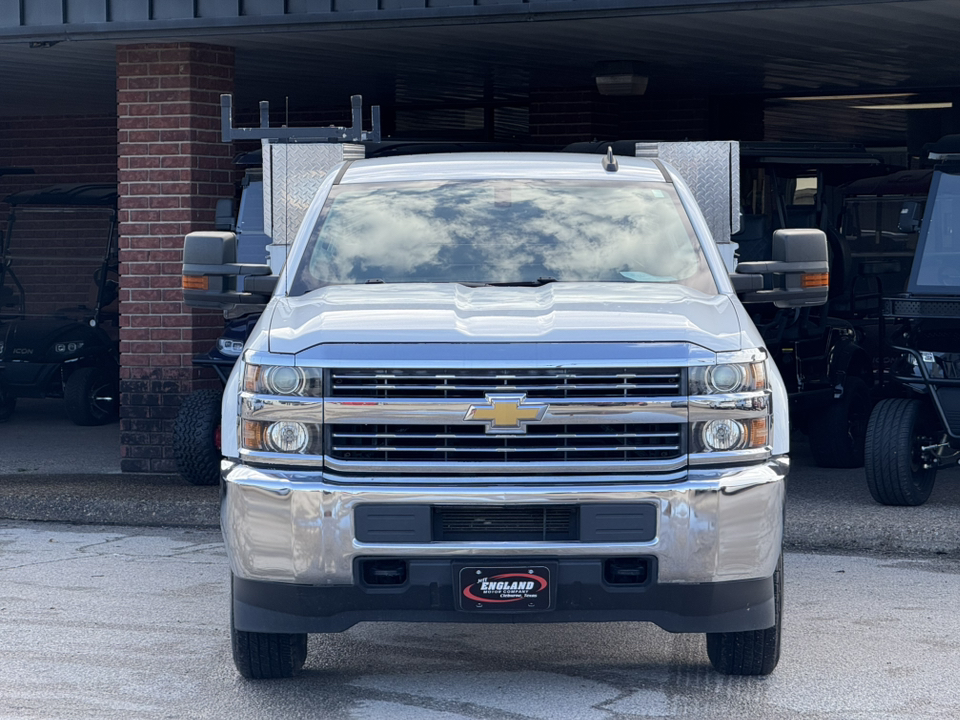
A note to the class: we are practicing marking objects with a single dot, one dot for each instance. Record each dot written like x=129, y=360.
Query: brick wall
x=172, y=170
x=60, y=150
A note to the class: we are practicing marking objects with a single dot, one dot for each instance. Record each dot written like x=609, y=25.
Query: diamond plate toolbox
x=712, y=170
x=292, y=173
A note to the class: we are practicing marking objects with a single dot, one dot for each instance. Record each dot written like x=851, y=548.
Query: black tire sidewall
x=78, y=391
x=894, y=428
x=194, y=446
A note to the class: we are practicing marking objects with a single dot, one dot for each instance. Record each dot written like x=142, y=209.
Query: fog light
x=722, y=434
x=287, y=437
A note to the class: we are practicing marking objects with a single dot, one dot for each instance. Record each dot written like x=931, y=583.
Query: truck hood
x=451, y=313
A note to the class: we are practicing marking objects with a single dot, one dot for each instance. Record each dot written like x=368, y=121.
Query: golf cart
x=915, y=429
x=70, y=352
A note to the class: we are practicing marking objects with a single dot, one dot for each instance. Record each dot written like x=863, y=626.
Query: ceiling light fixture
x=906, y=106
x=817, y=98
x=621, y=77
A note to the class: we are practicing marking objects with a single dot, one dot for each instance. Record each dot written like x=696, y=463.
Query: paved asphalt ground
x=52, y=471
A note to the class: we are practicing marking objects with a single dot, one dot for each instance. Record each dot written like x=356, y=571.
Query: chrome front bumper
x=297, y=527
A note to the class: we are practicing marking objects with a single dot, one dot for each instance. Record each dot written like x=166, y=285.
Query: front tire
x=751, y=652
x=91, y=396
x=837, y=437
x=898, y=429
x=267, y=656
x=196, y=444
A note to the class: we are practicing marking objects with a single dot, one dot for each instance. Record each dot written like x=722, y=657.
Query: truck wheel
x=196, y=438
x=267, y=656
x=752, y=652
x=91, y=396
x=898, y=429
x=837, y=437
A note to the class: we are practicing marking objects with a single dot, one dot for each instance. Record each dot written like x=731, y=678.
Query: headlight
x=282, y=436
x=728, y=434
x=730, y=411
x=727, y=378
x=283, y=380
x=65, y=348
x=231, y=348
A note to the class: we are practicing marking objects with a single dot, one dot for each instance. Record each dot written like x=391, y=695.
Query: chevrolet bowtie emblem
x=506, y=413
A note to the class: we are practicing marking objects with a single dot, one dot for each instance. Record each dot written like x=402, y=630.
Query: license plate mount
x=505, y=588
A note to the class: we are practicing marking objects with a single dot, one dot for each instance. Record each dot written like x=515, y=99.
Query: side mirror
x=211, y=273
x=909, y=220
x=799, y=271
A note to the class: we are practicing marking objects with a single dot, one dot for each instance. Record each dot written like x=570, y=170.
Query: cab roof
x=484, y=166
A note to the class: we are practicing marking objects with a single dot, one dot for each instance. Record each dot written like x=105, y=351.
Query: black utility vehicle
x=915, y=429
x=72, y=352
x=824, y=354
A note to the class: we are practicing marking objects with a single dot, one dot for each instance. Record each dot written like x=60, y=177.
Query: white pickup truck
x=505, y=388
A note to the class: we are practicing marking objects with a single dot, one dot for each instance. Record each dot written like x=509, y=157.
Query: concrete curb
x=109, y=499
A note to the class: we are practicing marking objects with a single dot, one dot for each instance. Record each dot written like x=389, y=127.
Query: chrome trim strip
x=510, y=472
x=731, y=456
x=731, y=405
x=276, y=407
x=559, y=412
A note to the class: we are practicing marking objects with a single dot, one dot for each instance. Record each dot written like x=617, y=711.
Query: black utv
x=915, y=429
x=68, y=352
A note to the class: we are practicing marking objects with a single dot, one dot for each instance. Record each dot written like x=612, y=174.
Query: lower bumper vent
x=524, y=523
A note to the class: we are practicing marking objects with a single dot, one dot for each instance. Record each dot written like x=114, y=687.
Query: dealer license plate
x=516, y=588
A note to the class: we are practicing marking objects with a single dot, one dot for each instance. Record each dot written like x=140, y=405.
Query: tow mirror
x=799, y=273
x=213, y=278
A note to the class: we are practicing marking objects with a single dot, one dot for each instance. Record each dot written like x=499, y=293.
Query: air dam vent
x=521, y=523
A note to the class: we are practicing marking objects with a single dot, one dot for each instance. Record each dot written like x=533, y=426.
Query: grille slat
x=444, y=383
x=356, y=443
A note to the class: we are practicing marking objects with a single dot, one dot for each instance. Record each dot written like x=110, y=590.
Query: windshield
x=502, y=232
x=937, y=265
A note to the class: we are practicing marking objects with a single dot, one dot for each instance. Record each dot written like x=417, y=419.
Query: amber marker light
x=815, y=280
x=195, y=282
x=758, y=432
x=252, y=435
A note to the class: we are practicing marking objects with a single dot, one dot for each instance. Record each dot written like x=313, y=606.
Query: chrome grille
x=537, y=383
x=467, y=443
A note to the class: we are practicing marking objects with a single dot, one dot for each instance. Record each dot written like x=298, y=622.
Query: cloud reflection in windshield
x=501, y=231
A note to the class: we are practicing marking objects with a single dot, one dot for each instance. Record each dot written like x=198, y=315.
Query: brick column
x=172, y=170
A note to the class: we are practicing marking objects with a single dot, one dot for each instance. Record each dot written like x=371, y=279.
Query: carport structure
x=128, y=91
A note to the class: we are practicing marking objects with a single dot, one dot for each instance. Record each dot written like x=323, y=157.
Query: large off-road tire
x=898, y=429
x=267, y=656
x=838, y=435
x=752, y=652
x=91, y=396
x=196, y=438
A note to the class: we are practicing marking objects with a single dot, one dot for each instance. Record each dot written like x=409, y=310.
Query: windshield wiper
x=527, y=283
